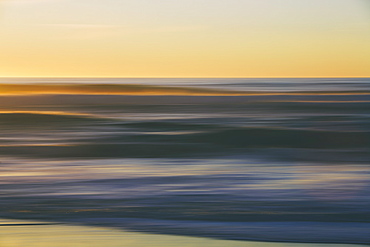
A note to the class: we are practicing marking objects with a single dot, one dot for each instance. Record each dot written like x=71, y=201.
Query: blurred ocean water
x=249, y=159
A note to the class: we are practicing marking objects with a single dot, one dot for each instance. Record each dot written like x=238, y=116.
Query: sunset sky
x=184, y=38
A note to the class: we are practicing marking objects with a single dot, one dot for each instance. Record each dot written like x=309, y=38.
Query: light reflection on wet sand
x=16, y=233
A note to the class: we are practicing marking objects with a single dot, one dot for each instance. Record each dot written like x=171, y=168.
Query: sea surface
x=243, y=159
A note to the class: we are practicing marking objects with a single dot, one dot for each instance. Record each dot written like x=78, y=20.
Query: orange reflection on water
x=138, y=89
x=62, y=113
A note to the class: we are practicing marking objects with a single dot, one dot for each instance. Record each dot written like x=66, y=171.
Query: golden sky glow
x=189, y=38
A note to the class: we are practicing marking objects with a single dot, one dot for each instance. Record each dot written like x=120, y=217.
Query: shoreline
x=17, y=233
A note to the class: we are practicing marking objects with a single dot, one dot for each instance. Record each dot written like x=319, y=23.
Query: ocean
x=243, y=159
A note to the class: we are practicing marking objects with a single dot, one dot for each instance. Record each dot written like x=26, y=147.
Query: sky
x=184, y=38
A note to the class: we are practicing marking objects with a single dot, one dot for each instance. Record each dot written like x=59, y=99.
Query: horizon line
x=186, y=77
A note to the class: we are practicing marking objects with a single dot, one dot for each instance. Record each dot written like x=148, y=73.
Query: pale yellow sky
x=187, y=38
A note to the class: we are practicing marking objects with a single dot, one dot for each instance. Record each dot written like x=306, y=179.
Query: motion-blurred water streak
x=288, y=165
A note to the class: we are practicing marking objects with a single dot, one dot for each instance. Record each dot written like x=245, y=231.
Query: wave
x=217, y=215
x=43, y=119
x=139, y=89
x=289, y=138
x=242, y=137
x=267, y=203
x=167, y=140
x=294, y=232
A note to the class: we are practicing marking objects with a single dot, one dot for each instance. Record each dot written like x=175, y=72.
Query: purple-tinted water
x=265, y=167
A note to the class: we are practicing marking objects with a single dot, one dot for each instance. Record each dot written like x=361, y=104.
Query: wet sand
x=17, y=233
